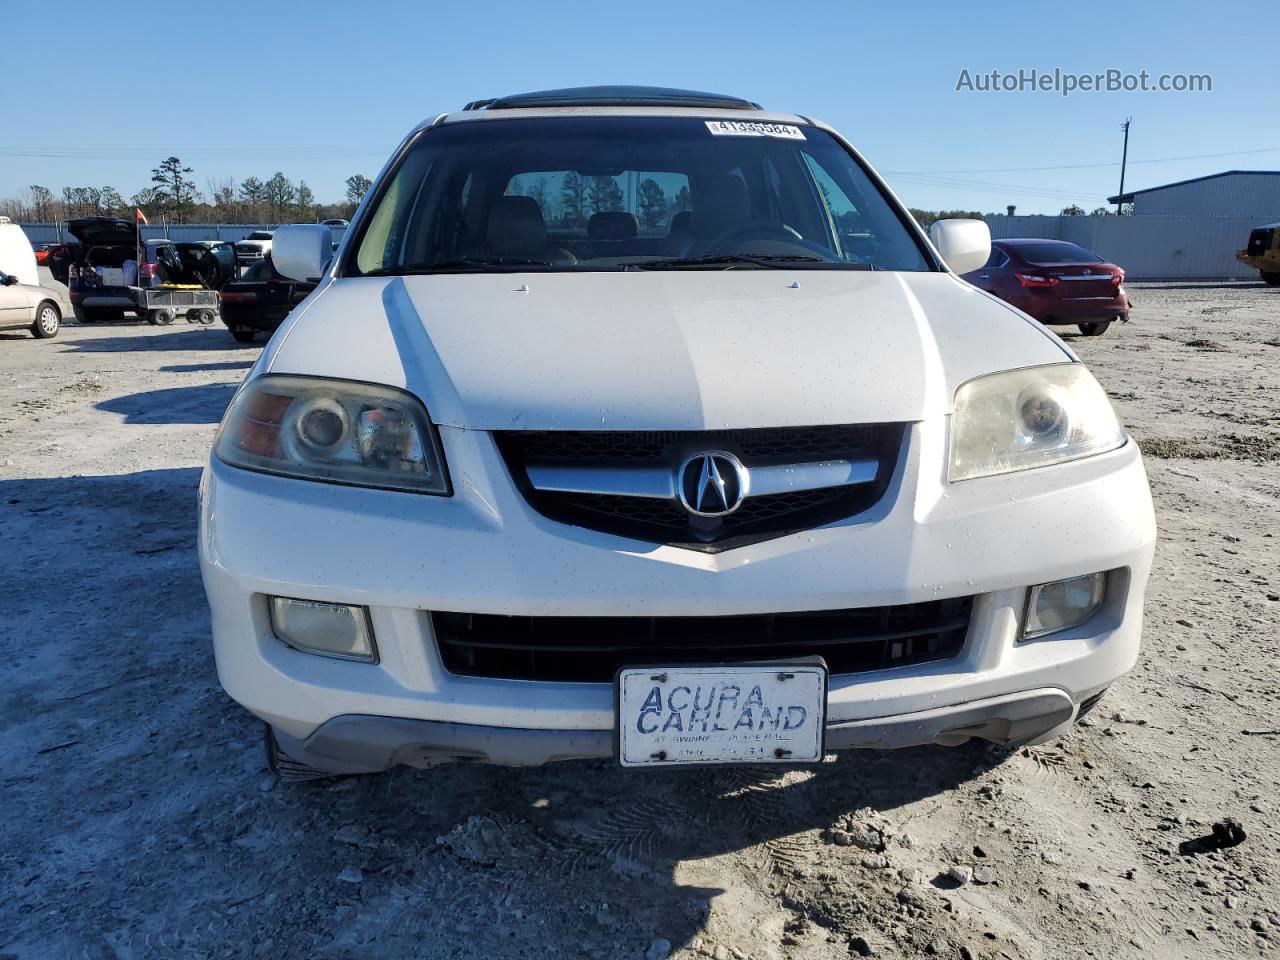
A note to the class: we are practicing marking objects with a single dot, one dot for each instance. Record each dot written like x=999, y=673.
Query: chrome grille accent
x=625, y=482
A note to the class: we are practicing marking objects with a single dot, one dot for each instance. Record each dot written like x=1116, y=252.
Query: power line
x=1086, y=166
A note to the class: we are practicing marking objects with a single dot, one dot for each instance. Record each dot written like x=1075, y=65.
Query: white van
x=23, y=302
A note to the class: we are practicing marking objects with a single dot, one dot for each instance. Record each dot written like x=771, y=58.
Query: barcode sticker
x=751, y=128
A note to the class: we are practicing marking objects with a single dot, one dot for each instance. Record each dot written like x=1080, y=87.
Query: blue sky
x=321, y=90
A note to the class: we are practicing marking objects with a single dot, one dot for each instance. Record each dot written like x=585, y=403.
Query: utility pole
x=1124, y=159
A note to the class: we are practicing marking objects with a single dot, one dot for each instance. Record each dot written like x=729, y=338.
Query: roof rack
x=614, y=96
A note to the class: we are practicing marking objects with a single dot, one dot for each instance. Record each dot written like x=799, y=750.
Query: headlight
x=1030, y=418
x=333, y=430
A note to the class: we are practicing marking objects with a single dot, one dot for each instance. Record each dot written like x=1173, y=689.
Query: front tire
x=1094, y=329
x=286, y=767
x=1087, y=705
x=48, y=321
x=1270, y=277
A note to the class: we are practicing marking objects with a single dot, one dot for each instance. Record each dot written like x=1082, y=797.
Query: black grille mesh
x=592, y=649
x=664, y=521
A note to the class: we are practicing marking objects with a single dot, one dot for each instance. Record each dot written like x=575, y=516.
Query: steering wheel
x=766, y=232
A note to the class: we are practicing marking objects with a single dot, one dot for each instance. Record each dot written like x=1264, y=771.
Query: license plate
x=744, y=713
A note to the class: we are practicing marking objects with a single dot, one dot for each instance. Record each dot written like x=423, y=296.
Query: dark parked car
x=214, y=261
x=1055, y=282
x=260, y=300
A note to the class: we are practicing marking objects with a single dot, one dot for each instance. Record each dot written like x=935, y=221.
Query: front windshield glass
x=629, y=193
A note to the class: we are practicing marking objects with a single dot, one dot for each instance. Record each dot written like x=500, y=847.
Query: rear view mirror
x=300, y=251
x=964, y=244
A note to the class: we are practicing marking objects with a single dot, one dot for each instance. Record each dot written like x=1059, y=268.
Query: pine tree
x=279, y=194
x=306, y=203
x=179, y=193
x=652, y=204
x=573, y=199
x=603, y=193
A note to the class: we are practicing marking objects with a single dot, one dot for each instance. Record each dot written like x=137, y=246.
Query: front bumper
x=365, y=744
x=1053, y=309
x=484, y=550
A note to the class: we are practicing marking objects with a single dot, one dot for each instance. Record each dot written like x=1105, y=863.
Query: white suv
x=646, y=424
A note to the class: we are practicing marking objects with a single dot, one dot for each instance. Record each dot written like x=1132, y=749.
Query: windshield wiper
x=776, y=261
x=456, y=265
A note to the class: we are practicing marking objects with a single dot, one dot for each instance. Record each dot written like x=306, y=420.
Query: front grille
x=592, y=649
x=665, y=521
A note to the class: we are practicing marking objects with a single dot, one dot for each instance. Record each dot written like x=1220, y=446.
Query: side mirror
x=301, y=250
x=6, y=280
x=964, y=244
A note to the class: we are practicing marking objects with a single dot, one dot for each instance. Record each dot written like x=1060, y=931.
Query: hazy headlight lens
x=1064, y=603
x=319, y=423
x=1030, y=418
x=335, y=431
x=328, y=629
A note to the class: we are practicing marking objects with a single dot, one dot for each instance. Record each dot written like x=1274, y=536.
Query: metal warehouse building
x=1235, y=193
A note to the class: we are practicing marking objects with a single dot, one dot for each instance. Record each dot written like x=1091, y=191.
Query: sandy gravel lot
x=140, y=820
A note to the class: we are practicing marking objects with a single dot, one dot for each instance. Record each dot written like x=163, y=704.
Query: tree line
x=174, y=197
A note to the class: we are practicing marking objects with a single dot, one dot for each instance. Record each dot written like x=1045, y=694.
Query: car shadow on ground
x=1202, y=284
x=214, y=338
x=141, y=790
x=197, y=367
x=204, y=403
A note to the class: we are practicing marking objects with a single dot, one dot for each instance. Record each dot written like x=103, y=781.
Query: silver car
x=24, y=305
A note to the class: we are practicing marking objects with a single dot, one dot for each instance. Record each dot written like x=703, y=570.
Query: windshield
x=629, y=193
x=1056, y=252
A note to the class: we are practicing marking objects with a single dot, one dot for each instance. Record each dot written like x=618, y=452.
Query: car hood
x=104, y=231
x=662, y=350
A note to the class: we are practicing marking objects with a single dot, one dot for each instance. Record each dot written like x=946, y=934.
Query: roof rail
x=614, y=96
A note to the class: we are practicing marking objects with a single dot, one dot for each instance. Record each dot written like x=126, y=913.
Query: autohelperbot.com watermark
x=1065, y=83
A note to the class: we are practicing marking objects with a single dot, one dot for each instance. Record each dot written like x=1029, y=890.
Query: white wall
x=1149, y=248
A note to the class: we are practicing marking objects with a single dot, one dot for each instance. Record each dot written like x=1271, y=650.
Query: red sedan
x=1055, y=282
x=42, y=253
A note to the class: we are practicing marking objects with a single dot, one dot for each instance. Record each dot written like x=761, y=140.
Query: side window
x=996, y=260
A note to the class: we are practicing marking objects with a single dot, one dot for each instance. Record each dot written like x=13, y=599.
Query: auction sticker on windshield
x=742, y=713
x=748, y=128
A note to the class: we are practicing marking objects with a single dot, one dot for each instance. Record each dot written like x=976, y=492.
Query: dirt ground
x=140, y=820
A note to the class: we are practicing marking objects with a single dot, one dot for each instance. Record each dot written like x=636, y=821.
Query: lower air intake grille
x=591, y=649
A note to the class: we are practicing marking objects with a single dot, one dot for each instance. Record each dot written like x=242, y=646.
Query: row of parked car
x=111, y=272
x=108, y=267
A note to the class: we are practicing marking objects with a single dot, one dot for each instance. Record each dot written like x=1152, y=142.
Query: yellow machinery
x=1263, y=253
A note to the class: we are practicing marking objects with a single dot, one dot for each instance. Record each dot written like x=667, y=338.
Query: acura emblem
x=712, y=484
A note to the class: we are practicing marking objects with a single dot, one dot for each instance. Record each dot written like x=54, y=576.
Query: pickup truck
x=254, y=247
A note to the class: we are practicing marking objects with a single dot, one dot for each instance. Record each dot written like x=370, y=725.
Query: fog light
x=327, y=629
x=1064, y=603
